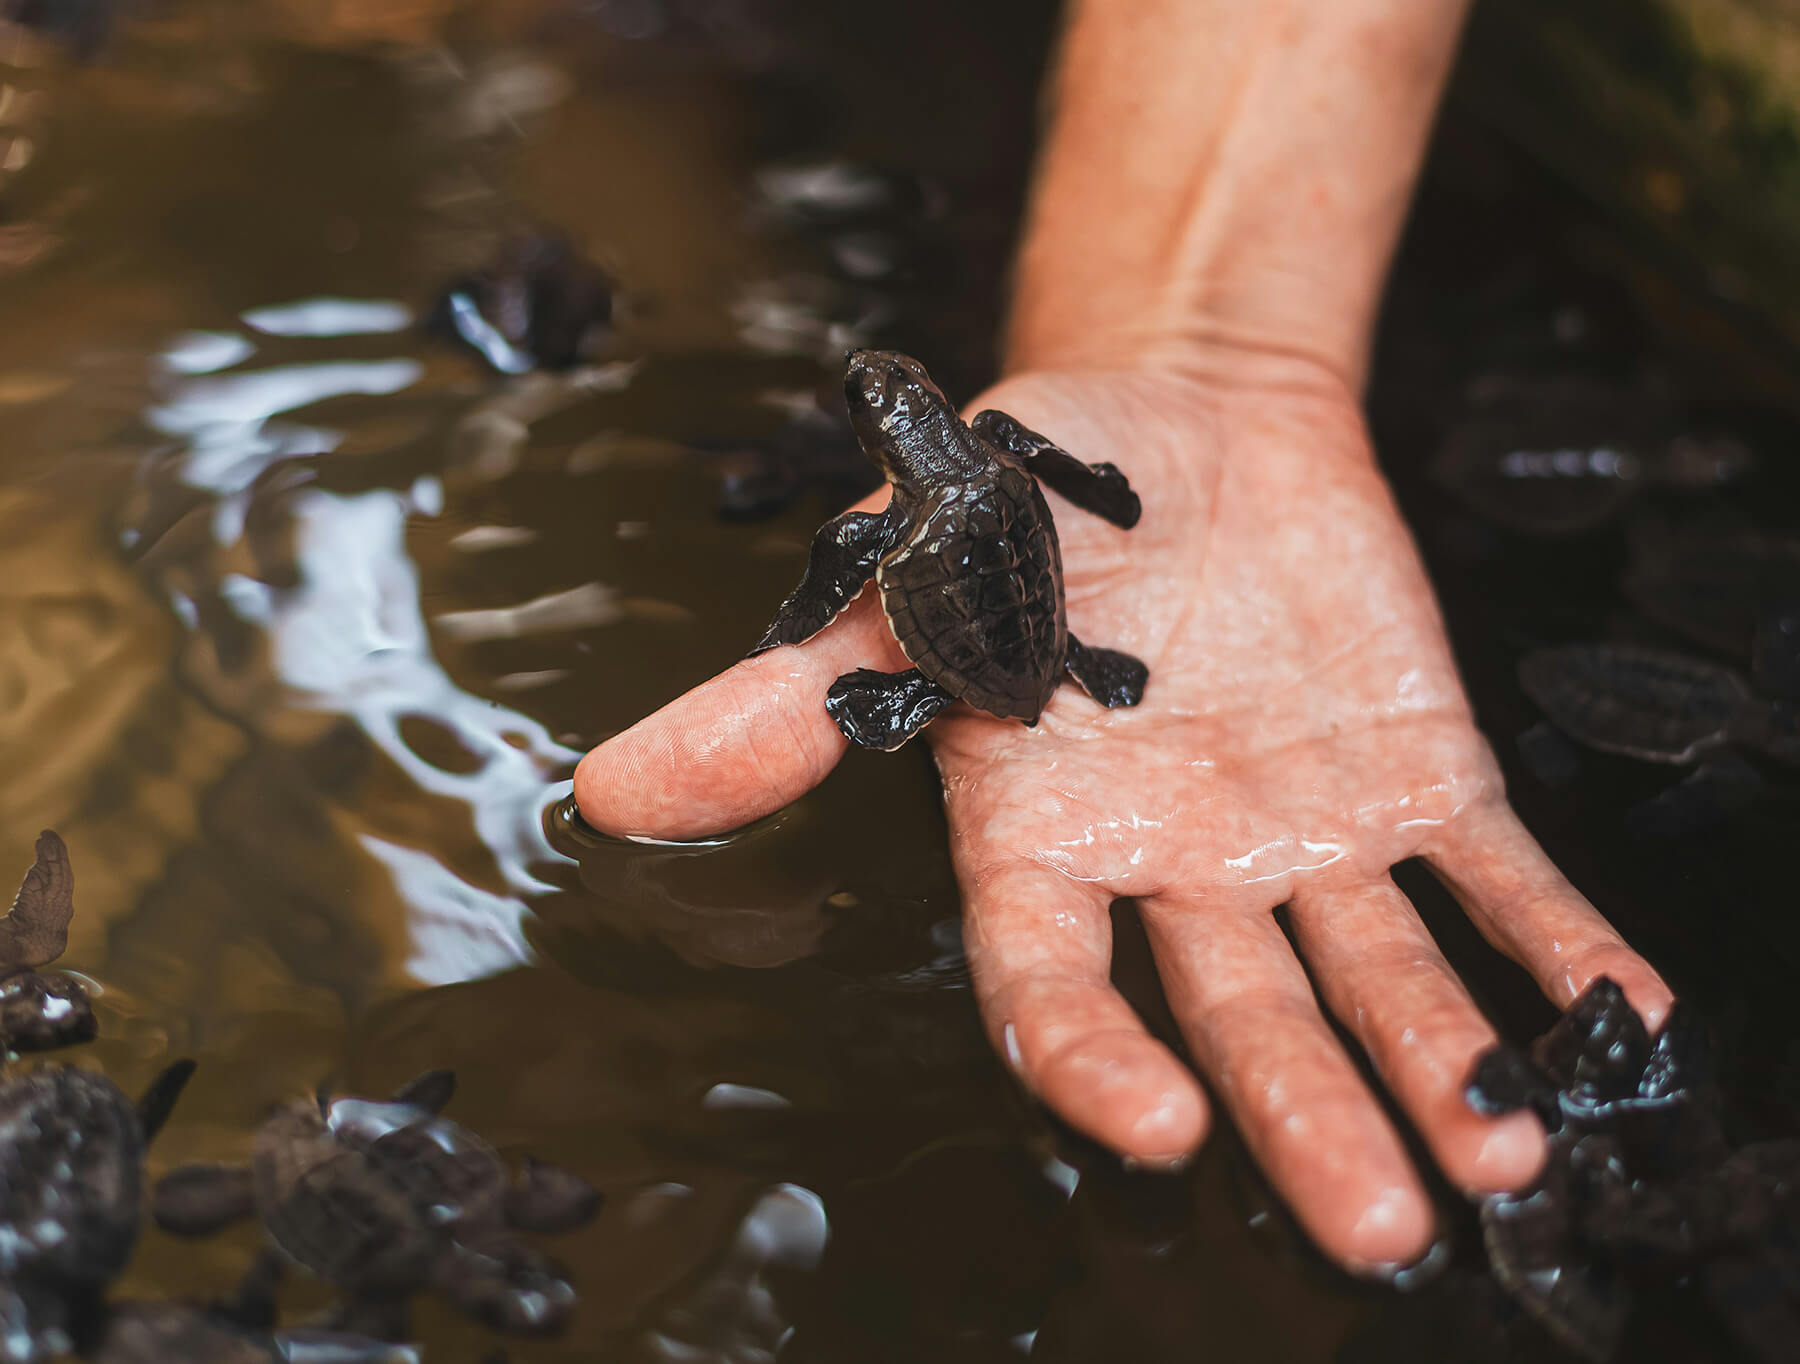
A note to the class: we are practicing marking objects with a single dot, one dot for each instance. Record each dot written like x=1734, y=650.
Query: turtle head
x=898, y=414
x=39, y=1013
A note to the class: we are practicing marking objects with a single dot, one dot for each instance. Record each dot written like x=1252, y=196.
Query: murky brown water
x=268, y=671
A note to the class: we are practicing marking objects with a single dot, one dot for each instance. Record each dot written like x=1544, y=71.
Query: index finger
x=738, y=746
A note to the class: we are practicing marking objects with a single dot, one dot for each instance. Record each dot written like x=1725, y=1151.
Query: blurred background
x=400, y=396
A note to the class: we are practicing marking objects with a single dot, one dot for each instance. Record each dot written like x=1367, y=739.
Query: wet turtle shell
x=976, y=599
x=71, y=1173
x=371, y=1196
x=1644, y=703
x=1642, y=1185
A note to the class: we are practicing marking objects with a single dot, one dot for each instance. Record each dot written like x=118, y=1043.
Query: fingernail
x=1393, y=1228
x=1511, y=1154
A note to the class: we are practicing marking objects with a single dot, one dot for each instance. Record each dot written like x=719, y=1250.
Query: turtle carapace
x=966, y=560
x=383, y=1199
x=38, y=1012
x=71, y=1178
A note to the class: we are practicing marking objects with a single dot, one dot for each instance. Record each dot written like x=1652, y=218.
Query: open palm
x=1304, y=730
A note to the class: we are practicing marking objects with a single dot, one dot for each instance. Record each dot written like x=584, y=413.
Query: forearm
x=1226, y=174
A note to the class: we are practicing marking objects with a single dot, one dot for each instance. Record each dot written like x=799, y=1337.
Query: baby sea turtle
x=1559, y=457
x=239, y=1331
x=1642, y=1186
x=385, y=1199
x=1644, y=703
x=539, y=303
x=71, y=1180
x=38, y=1012
x=966, y=558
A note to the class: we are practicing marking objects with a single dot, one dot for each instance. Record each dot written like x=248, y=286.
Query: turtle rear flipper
x=159, y=1100
x=884, y=710
x=1097, y=488
x=197, y=1200
x=36, y=930
x=1112, y=678
x=252, y=1304
x=549, y=1199
x=844, y=555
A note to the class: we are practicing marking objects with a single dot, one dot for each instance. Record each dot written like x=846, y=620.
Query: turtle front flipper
x=884, y=710
x=36, y=930
x=158, y=1101
x=253, y=1303
x=844, y=556
x=197, y=1200
x=1097, y=488
x=1110, y=677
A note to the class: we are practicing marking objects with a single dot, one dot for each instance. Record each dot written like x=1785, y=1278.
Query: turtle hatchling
x=383, y=1199
x=966, y=559
x=39, y=1012
x=239, y=1330
x=71, y=1179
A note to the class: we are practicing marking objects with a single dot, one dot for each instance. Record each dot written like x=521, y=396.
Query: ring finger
x=1251, y=1021
x=1384, y=978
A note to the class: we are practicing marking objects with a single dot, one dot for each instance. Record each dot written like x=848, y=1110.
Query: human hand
x=1303, y=731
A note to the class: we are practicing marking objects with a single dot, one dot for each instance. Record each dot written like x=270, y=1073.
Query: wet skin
x=1307, y=731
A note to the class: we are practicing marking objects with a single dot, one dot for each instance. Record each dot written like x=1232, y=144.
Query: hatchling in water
x=1654, y=704
x=71, y=1179
x=1643, y=1186
x=385, y=1199
x=966, y=559
x=38, y=1012
x=241, y=1330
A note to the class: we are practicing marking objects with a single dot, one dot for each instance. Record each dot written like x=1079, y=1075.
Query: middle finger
x=1383, y=976
x=1250, y=1018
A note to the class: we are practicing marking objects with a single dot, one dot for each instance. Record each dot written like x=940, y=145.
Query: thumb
x=738, y=746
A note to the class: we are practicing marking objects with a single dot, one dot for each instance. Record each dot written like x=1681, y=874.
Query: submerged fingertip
x=1511, y=1154
x=1166, y=1134
x=1394, y=1229
x=1130, y=1094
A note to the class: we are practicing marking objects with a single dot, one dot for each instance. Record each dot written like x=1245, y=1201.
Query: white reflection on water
x=576, y=608
x=731, y=1316
x=226, y=417
x=331, y=317
x=351, y=639
x=344, y=633
x=456, y=931
x=204, y=352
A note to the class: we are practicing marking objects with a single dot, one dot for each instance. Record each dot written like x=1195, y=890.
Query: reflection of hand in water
x=1304, y=728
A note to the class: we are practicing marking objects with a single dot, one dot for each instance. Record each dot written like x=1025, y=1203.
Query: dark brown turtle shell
x=975, y=595
x=71, y=1176
x=359, y=1221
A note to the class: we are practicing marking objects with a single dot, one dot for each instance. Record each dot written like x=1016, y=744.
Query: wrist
x=1221, y=178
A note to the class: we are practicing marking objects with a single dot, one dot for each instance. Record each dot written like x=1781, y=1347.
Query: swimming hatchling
x=38, y=1012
